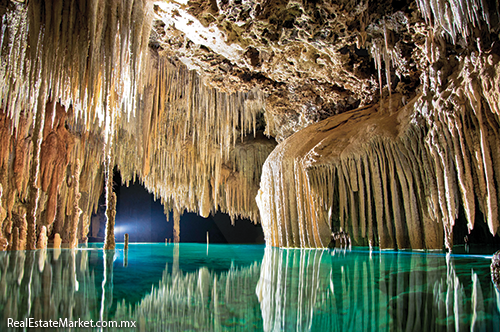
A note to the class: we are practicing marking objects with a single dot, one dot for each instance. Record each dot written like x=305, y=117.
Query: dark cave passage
x=144, y=219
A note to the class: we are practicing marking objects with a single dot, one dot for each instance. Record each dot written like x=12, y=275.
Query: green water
x=192, y=287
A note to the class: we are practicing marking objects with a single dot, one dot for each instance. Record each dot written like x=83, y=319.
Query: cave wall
x=396, y=175
x=392, y=175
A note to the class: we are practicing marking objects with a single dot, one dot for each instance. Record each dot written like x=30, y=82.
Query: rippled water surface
x=192, y=287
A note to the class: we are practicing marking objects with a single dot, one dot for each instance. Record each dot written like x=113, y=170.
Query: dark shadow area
x=143, y=218
x=479, y=240
x=194, y=229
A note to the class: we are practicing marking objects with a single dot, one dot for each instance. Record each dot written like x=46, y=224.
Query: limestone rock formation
x=386, y=114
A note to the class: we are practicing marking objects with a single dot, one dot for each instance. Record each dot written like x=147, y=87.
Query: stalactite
x=177, y=229
x=21, y=154
x=55, y=151
x=419, y=169
x=109, y=243
x=34, y=191
x=194, y=136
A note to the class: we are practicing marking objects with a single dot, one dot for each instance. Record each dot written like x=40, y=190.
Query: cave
x=249, y=165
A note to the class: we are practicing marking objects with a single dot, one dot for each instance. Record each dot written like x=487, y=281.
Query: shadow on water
x=250, y=288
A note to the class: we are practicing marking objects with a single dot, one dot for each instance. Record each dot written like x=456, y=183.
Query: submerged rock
x=495, y=269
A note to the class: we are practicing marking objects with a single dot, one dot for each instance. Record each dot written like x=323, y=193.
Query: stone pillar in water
x=177, y=229
x=110, y=224
x=109, y=243
x=126, y=242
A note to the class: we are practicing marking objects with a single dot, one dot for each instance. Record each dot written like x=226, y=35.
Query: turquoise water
x=192, y=287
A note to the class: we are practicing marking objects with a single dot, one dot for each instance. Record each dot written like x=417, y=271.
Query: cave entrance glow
x=144, y=219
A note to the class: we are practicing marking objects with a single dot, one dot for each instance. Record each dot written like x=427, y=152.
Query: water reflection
x=286, y=290
x=310, y=290
x=199, y=301
x=46, y=284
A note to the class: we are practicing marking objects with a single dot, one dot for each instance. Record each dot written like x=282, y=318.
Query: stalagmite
x=15, y=240
x=84, y=230
x=42, y=238
x=125, y=246
x=109, y=243
x=57, y=241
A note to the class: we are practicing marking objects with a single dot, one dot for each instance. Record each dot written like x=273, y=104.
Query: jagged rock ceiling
x=386, y=114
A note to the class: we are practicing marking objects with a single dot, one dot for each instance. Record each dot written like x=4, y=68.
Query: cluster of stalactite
x=61, y=94
x=70, y=51
x=79, y=85
x=332, y=291
x=65, y=186
x=398, y=174
x=341, y=174
x=391, y=176
x=460, y=18
x=112, y=103
x=200, y=300
x=195, y=147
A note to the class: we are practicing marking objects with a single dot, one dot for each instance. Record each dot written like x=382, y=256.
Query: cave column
x=177, y=229
x=34, y=191
x=110, y=125
x=109, y=243
x=75, y=218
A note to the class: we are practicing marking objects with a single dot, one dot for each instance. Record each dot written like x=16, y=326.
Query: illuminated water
x=250, y=288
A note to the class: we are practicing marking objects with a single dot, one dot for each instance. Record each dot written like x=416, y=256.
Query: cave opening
x=144, y=219
x=477, y=240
